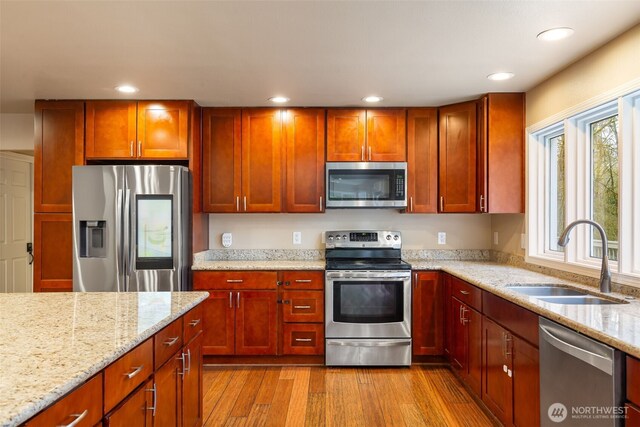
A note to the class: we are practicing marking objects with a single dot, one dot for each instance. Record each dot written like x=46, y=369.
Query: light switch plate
x=495, y=237
x=227, y=240
x=442, y=238
x=297, y=238
x=523, y=241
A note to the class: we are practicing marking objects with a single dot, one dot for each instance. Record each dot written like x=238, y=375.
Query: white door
x=15, y=225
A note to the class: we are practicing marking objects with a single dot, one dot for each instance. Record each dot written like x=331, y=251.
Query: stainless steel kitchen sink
x=557, y=294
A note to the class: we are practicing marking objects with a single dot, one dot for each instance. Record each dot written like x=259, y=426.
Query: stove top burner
x=367, y=264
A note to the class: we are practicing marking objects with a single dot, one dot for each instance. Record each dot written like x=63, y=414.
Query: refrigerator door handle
x=120, y=253
x=126, y=216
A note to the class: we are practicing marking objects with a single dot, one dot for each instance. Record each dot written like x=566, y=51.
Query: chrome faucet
x=605, y=274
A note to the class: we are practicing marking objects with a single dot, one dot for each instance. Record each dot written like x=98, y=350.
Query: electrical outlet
x=297, y=238
x=442, y=238
x=523, y=241
x=227, y=240
x=495, y=237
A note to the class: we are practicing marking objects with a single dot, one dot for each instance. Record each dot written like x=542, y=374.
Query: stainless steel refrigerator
x=131, y=228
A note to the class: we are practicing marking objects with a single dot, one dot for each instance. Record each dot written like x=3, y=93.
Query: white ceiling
x=318, y=53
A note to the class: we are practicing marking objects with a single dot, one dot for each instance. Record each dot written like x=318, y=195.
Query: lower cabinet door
x=256, y=322
x=168, y=402
x=136, y=410
x=458, y=344
x=496, y=383
x=219, y=323
x=303, y=339
x=473, y=324
x=526, y=384
x=192, y=384
x=427, y=312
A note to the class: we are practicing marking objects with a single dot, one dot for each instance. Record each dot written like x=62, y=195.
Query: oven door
x=368, y=304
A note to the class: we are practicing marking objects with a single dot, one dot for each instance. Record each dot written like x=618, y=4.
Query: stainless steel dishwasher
x=580, y=379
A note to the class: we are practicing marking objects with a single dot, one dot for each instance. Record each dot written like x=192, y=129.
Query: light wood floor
x=319, y=396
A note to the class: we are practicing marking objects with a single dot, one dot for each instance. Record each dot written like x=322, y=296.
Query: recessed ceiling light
x=554, y=34
x=501, y=76
x=279, y=99
x=372, y=98
x=126, y=89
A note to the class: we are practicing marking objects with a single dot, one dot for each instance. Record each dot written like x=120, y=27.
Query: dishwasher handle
x=605, y=364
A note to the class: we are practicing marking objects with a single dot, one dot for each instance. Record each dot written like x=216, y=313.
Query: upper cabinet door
x=386, y=136
x=346, y=135
x=59, y=144
x=222, y=157
x=501, y=153
x=457, y=145
x=304, y=140
x=422, y=161
x=110, y=130
x=163, y=129
x=262, y=158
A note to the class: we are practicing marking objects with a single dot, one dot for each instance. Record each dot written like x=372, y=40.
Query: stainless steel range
x=367, y=299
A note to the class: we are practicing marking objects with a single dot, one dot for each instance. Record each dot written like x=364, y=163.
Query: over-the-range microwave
x=366, y=185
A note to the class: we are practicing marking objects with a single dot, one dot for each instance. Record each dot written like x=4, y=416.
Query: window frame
x=575, y=124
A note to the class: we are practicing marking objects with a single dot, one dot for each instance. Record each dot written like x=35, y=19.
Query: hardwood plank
x=219, y=379
x=317, y=380
x=236, y=422
x=299, y=396
x=258, y=415
x=268, y=386
x=389, y=407
x=245, y=400
x=316, y=410
x=224, y=406
x=280, y=404
x=370, y=404
x=424, y=394
x=342, y=408
x=411, y=415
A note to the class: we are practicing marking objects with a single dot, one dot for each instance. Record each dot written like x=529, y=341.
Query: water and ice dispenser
x=93, y=239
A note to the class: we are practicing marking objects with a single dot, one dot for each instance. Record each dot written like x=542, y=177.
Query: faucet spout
x=605, y=274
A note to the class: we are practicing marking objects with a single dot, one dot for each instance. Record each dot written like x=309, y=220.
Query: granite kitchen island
x=54, y=342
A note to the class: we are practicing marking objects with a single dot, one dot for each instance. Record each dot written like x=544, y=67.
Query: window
x=586, y=166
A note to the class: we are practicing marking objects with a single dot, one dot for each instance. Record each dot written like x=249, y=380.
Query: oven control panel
x=363, y=239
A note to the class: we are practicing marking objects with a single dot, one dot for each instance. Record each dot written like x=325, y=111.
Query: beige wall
x=612, y=65
x=509, y=228
x=16, y=132
x=274, y=231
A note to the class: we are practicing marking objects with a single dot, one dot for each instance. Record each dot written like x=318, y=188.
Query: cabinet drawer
x=633, y=380
x=518, y=320
x=307, y=339
x=137, y=410
x=85, y=402
x=303, y=280
x=303, y=306
x=192, y=323
x=126, y=373
x=466, y=293
x=221, y=280
x=633, y=415
x=167, y=342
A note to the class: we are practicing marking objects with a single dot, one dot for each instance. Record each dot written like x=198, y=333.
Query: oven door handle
x=370, y=344
x=369, y=276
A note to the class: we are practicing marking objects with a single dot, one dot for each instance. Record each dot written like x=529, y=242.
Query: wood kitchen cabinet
x=457, y=157
x=428, y=314
x=135, y=410
x=304, y=142
x=59, y=145
x=375, y=135
x=52, y=252
x=243, y=322
x=242, y=160
x=137, y=129
x=422, y=160
x=191, y=388
x=466, y=332
x=501, y=119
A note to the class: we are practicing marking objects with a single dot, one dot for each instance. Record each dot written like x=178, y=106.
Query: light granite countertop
x=53, y=342
x=259, y=265
x=615, y=324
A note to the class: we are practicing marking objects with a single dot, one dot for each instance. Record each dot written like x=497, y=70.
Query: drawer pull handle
x=154, y=390
x=194, y=323
x=171, y=341
x=303, y=280
x=235, y=280
x=302, y=307
x=135, y=372
x=79, y=417
x=303, y=339
x=464, y=292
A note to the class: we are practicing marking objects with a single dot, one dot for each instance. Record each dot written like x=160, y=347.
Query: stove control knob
x=337, y=237
x=388, y=236
x=344, y=237
x=396, y=237
x=330, y=238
